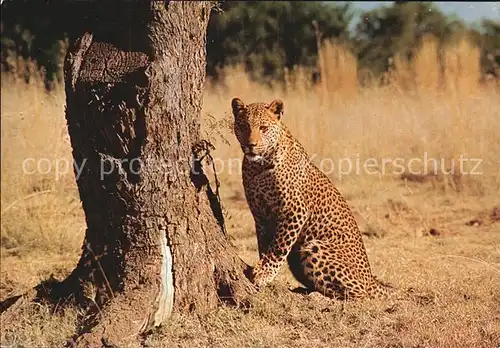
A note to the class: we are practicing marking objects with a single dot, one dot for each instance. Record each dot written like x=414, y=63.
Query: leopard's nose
x=249, y=147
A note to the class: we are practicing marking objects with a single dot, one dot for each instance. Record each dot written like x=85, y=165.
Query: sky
x=468, y=11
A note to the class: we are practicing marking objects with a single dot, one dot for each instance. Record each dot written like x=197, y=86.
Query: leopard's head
x=257, y=127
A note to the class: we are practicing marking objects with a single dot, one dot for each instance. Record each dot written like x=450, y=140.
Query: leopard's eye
x=263, y=128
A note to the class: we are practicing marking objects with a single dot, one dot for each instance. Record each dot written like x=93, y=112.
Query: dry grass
x=417, y=231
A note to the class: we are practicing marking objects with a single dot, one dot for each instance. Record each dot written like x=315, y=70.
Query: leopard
x=301, y=218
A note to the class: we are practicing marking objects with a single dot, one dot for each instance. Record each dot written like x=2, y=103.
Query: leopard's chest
x=262, y=191
x=267, y=192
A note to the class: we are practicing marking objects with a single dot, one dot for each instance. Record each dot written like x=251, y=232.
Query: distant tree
x=267, y=36
x=34, y=29
x=490, y=46
x=397, y=29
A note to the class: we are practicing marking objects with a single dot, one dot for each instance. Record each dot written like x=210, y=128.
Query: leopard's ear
x=277, y=108
x=237, y=105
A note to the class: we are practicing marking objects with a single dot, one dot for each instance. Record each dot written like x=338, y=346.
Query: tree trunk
x=154, y=240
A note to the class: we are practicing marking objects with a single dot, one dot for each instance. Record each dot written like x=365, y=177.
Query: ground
x=437, y=234
x=459, y=267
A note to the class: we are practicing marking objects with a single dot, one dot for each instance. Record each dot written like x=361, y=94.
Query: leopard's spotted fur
x=299, y=214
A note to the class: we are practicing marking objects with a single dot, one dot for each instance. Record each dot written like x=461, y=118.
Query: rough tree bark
x=154, y=240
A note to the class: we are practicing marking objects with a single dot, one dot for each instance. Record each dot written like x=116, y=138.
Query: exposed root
x=233, y=287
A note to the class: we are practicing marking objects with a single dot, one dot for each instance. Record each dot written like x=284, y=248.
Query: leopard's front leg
x=265, y=229
x=288, y=226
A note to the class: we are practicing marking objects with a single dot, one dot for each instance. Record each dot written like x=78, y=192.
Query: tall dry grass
x=40, y=203
x=338, y=67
